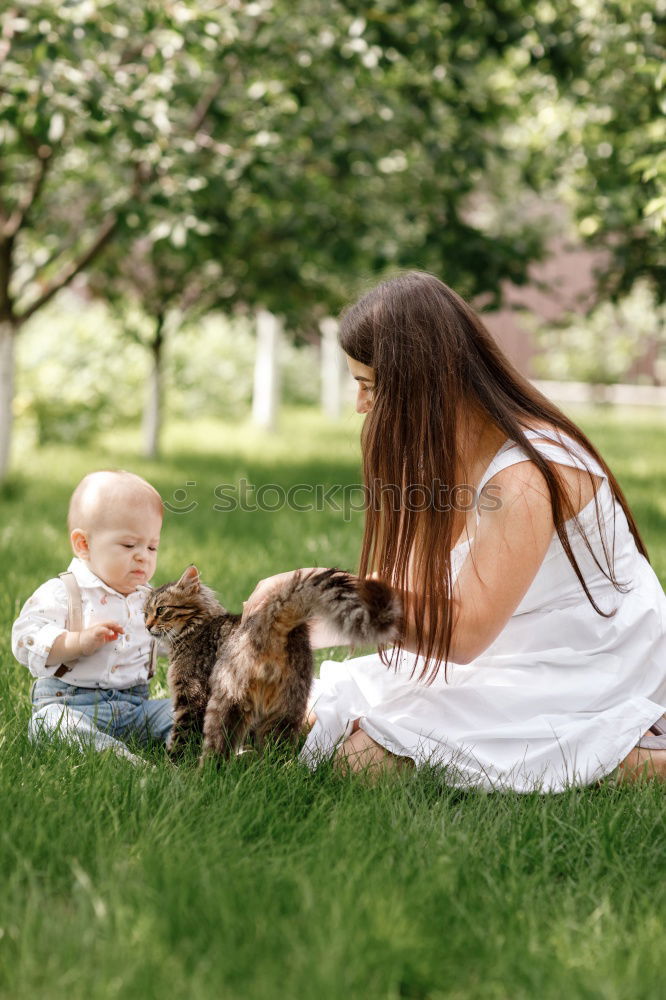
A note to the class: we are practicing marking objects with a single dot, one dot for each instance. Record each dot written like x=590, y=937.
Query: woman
x=533, y=653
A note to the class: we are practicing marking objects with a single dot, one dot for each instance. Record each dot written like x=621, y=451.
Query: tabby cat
x=233, y=680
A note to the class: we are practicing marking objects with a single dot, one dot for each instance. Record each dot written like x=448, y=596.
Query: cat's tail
x=360, y=611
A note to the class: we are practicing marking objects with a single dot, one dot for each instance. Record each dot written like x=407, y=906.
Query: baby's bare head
x=101, y=499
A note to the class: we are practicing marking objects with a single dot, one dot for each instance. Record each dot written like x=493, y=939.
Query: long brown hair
x=433, y=359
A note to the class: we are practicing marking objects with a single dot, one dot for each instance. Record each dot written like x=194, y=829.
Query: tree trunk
x=266, y=393
x=152, y=411
x=7, y=347
x=331, y=369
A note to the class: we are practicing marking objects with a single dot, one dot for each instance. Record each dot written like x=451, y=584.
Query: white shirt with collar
x=119, y=664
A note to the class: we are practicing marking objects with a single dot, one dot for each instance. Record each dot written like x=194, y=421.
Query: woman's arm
x=323, y=635
x=505, y=555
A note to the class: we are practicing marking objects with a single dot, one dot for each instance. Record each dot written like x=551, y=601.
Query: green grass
x=263, y=880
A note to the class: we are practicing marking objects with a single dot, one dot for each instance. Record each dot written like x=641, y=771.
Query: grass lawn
x=265, y=881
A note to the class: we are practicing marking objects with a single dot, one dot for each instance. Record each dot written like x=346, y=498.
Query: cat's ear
x=144, y=590
x=190, y=580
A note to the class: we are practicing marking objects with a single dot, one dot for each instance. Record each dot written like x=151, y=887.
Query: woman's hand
x=266, y=588
x=322, y=634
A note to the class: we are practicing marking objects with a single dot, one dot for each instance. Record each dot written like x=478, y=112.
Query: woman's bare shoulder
x=524, y=476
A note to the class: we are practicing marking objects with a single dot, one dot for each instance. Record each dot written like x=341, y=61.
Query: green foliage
x=609, y=60
x=73, y=380
x=360, y=142
x=79, y=374
x=295, y=147
x=92, y=96
x=291, y=148
x=210, y=369
x=195, y=156
x=602, y=346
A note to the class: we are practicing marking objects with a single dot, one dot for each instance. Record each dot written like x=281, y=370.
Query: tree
x=322, y=159
x=279, y=152
x=154, y=286
x=609, y=60
x=357, y=140
x=602, y=346
x=92, y=99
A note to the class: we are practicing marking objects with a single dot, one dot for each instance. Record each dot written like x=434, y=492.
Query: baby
x=92, y=677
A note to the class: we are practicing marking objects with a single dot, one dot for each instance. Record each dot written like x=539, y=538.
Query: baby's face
x=122, y=547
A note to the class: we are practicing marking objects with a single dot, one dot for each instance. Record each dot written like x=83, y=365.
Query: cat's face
x=175, y=606
x=166, y=613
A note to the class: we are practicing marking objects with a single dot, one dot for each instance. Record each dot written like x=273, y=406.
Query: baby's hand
x=93, y=638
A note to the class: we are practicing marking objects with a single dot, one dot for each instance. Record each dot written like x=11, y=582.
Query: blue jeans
x=100, y=717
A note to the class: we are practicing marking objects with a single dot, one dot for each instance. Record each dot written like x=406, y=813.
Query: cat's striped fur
x=231, y=680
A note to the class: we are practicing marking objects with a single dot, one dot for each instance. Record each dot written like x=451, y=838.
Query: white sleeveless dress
x=558, y=699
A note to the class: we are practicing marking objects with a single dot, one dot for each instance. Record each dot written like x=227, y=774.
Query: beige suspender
x=153, y=658
x=74, y=609
x=75, y=621
x=74, y=612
